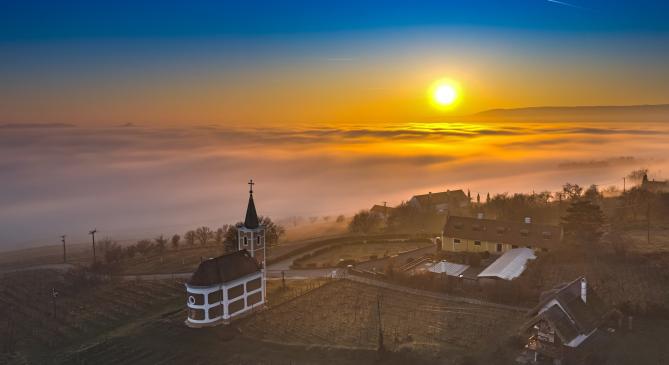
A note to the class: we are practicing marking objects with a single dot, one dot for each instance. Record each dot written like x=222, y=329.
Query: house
x=508, y=266
x=654, y=186
x=466, y=234
x=228, y=286
x=381, y=210
x=566, y=317
x=441, y=202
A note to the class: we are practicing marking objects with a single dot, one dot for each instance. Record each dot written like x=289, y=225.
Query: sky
x=141, y=117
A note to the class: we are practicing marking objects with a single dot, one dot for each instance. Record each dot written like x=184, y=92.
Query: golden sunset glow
x=444, y=94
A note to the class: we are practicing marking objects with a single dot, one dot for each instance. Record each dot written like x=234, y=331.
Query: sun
x=444, y=94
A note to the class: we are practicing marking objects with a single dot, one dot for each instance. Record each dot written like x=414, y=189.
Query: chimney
x=584, y=290
x=528, y=220
x=479, y=215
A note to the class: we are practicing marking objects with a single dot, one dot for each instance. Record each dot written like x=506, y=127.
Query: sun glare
x=444, y=94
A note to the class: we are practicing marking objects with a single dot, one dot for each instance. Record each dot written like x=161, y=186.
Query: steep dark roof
x=578, y=317
x=223, y=269
x=451, y=196
x=381, y=209
x=251, y=220
x=514, y=233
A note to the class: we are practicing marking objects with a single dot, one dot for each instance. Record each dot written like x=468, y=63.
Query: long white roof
x=510, y=265
x=449, y=268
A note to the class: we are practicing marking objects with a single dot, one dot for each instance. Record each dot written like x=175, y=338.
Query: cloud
x=67, y=180
x=565, y=4
x=34, y=125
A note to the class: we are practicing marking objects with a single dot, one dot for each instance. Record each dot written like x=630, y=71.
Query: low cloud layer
x=131, y=181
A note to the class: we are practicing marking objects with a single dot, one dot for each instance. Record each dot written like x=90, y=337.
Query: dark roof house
x=654, y=185
x=440, y=201
x=223, y=269
x=382, y=210
x=565, y=318
x=522, y=234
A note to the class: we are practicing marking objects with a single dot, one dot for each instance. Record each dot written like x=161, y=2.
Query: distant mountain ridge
x=628, y=113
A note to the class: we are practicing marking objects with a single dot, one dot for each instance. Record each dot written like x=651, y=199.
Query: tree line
x=224, y=236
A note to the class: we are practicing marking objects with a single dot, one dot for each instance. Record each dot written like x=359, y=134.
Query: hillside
x=631, y=113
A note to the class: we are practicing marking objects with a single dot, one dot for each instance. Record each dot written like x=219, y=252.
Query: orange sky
x=370, y=78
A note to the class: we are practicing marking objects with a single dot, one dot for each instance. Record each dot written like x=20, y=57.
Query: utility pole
x=624, y=185
x=92, y=233
x=62, y=239
x=648, y=223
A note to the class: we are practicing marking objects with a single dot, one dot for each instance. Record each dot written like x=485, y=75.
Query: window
x=196, y=314
x=546, y=235
x=524, y=232
x=215, y=297
x=215, y=312
x=236, y=291
x=456, y=240
x=477, y=243
x=246, y=241
x=236, y=306
x=195, y=299
x=253, y=299
x=498, y=247
x=253, y=285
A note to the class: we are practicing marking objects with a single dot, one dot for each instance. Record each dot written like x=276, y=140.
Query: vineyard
x=332, y=256
x=84, y=308
x=344, y=314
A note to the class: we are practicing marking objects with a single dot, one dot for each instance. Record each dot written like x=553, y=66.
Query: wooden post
x=378, y=310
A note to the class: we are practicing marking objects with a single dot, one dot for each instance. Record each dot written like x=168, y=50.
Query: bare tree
x=176, y=239
x=204, y=235
x=219, y=235
x=637, y=175
x=190, y=238
x=161, y=243
x=364, y=222
x=572, y=191
x=273, y=231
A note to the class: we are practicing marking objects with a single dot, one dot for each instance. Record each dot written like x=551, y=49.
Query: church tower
x=251, y=235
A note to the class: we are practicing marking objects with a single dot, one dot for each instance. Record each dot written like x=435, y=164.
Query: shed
x=510, y=265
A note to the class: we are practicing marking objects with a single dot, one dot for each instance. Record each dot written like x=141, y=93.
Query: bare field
x=659, y=240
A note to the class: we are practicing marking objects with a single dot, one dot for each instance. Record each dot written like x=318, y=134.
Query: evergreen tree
x=583, y=222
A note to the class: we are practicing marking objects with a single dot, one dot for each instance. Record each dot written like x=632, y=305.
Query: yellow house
x=467, y=234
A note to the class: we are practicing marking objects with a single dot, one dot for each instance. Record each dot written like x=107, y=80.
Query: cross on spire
x=251, y=183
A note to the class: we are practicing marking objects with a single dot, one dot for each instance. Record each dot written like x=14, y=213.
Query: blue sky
x=48, y=20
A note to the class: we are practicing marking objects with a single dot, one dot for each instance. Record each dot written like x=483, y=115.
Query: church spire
x=251, y=220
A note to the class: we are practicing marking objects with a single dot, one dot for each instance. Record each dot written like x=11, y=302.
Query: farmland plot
x=84, y=309
x=344, y=314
